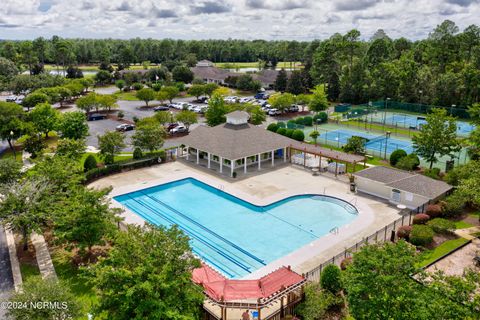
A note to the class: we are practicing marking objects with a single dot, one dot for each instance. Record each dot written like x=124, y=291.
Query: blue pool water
x=405, y=120
x=232, y=235
x=342, y=136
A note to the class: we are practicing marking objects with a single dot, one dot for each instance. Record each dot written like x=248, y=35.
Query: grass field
x=462, y=225
x=446, y=247
x=28, y=271
x=127, y=96
x=240, y=65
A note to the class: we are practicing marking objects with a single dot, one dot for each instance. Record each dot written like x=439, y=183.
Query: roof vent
x=237, y=117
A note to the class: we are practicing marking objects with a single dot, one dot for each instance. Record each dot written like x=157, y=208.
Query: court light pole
x=387, y=135
x=451, y=109
x=385, y=113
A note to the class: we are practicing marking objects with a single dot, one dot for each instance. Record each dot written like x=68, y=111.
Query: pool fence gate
x=387, y=233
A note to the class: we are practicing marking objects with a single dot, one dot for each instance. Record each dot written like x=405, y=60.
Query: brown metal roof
x=234, y=141
x=328, y=153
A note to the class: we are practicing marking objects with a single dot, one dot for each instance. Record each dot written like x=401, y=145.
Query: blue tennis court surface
x=406, y=121
x=342, y=136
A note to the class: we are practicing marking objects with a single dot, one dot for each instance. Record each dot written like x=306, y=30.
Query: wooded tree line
x=443, y=69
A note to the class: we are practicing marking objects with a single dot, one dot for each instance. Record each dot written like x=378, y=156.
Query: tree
x=70, y=148
x=103, y=77
x=34, y=144
x=210, y=88
x=257, y=115
x=88, y=102
x=9, y=170
x=44, y=118
x=331, y=279
x=43, y=292
x=111, y=143
x=216, y=111
x=281, y=81
x=23, y=207
x=149, y=137
x=120, y=84
x=196, y=90
x=7, y=69
x=145, y=94
x=90, y=163
x=73, y=125
x=281, y=101
x=147, y=275
x=295, y=83
x=162, y=96
x=107, y=101
x=303, y=100
x=35, y=98
x=318, y=100
x=437, y=138
x=84, y=219
x=170, y=92
x=182, y=73
x=355, y=144
x=317, y=302
x=163, y=117
x=187, y=118
x=314, y=135
x=11, y=123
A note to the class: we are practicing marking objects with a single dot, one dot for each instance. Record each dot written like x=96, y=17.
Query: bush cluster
x=433, y=173
x=421, y=218
x=90, y=163
x=298, y=135
x=331, y=278
x=118, y=167
x=404, y=232
x=396, y=156
x=421, y=235
x=434, y=210
x=440, y=225
x=320, y=117
x=453, y=206
x=273, y=127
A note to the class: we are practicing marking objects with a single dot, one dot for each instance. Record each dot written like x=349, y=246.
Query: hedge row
x=96, y=173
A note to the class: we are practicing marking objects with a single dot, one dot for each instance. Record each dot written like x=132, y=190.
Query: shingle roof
x=234, y=141
x=406, y=181
x=212, y=73
x=267, y=76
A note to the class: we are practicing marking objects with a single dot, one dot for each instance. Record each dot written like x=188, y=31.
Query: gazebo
x=235, y=144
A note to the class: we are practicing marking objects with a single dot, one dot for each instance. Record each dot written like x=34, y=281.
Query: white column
x=259, y=161
x=208, y=160
x=188, y=152
x=198, y=156
x=284, y=154
x=232, y=166
x=245, y=165
x=273, y=158
x=221, y=164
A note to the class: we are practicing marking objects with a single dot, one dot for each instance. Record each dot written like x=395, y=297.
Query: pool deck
x=264, y=188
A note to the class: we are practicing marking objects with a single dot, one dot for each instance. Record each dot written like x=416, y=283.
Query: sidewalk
x=44, y=260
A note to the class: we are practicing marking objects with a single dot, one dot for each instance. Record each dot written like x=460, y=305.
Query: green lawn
x=446, y=247
x=127, y=96
x=28, y=271
x=462, y=225
x=76, y=280
x=234, y=65
x=8, y=154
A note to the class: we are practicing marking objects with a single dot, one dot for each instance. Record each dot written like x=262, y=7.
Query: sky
x=300, y=20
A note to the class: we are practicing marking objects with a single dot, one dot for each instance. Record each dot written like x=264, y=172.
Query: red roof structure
x=218, y=288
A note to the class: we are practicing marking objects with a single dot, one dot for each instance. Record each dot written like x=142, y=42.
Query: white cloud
x=248, y=19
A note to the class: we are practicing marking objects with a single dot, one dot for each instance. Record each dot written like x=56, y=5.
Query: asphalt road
x=6, y=277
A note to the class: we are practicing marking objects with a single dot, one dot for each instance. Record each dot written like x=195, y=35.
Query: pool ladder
x=221, y=187
x=334, y=230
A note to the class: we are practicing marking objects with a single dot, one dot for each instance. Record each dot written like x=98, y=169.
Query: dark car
x=96, y=116
x=261, y=96
x=125, y=127
x=171, y=126
x=161, y=108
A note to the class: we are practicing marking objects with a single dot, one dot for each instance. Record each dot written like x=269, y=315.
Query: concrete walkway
x=44, y=260
x=467, y=233
x=6, y=276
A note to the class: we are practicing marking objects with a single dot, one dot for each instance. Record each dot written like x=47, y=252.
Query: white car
x=179, y=129
x=274, y=112
x=245, y=100
x=267, y=107
x=199, y=109
x=11, y=98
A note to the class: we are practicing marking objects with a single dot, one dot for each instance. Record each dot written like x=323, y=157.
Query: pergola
x=235, y=144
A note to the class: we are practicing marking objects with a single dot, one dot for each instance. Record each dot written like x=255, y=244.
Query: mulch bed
x=438, y=239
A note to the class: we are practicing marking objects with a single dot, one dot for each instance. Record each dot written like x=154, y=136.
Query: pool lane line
x=193, y=235
x=206, y=229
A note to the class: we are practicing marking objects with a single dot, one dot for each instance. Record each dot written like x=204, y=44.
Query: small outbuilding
x=400, y=187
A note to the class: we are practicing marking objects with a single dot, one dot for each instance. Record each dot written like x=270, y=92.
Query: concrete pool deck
x=264, y=188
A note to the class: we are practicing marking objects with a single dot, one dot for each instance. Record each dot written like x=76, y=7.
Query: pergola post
x=245, y=165
x=273, y=158
x=208, y=160
x=259, y=161
x=221, y=165
x=188, y=152
x=232, y=166
x=198, y=156
x=285, y=154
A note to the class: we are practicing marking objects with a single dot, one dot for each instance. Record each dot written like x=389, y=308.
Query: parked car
x=202, y=99
x=11, y=98
x=262, y=96
x=199, y=109
x=293, y=108
x=274, y=112
x=266, y=107
x=161, y=108
x=96, y=116
x=125, y=127
x=176, y=105
x=245, y=100
x=179, y=129
x=171, y=126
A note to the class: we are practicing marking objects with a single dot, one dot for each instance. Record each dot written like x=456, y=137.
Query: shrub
x=421, y=218
x=137, y=153
x=453, y=206
x=272, y=127
x=404, y=232
x=410, y=162
x=308, y=121
x=345, y=263
x=281, y=124
x=234, y=175
x=322, y=116
x=90, y=163
x=282, y=131
x=289, y=132
x=415, y=160
x=120, y=114
x=421, y=235
x=108, y=159
x=396, y=156
x=137, y=86
x=298, y=135
x=440, y=225
x=331, y=278
x=434, y=210
x=299, y=120
x=135, y=119
x=433, y=173
x=291, y=124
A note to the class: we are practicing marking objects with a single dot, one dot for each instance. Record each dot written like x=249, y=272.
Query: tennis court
x=376, y=143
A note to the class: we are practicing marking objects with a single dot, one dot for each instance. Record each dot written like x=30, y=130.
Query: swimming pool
x=342, y=135
x=232, y=235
